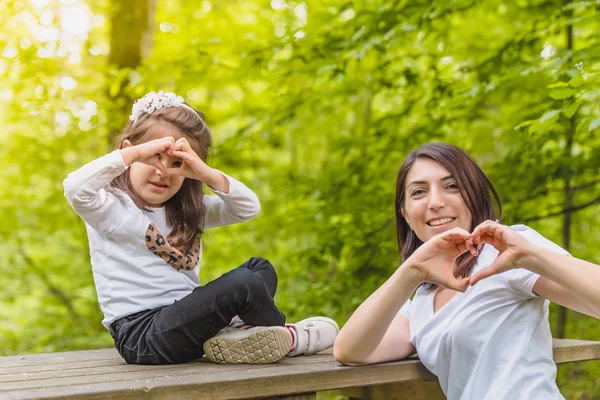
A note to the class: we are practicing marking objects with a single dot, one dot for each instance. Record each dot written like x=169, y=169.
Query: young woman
x=479, y=317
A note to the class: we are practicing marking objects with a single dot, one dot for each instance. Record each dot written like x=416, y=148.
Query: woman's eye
x=452, y=186
x=177, y=164
x=158, y=155
x=417, y=192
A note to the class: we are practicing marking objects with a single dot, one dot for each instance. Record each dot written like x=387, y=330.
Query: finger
x=462, y=247
x=181, y=140
x=484, y=273
x=493, y=269
x=455, y=233
x=486, y=227
x=176, y=172
x=182, y=144
x=458, y=284
x=156, y=163
x=161, y=145
x=184, y=155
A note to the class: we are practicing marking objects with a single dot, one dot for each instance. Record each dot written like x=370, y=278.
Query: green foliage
x=313, y=104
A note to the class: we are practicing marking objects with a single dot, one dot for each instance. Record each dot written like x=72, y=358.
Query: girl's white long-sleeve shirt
x=129, y=274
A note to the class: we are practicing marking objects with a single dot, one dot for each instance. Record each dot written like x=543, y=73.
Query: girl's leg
x=265, y=270
x=177, y=333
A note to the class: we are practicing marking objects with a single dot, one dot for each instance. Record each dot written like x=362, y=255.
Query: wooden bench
x=102, y=374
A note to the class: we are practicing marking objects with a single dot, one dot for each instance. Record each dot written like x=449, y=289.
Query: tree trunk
x=566, y=231
x=132, y=27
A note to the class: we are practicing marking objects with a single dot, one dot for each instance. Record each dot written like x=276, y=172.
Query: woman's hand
x=512, y=247
x=435, y=260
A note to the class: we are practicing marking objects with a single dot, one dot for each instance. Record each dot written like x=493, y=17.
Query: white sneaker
x=248, y=344
x=313, y=335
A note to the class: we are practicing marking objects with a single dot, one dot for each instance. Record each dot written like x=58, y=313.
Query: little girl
x=145, y=212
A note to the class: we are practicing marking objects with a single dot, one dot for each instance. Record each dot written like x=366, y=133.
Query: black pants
x=175, y=333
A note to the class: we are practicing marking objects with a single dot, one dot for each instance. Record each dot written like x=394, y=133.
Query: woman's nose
x=436, y=200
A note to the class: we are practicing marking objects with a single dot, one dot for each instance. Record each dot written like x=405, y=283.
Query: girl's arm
x=564, y=279
x=376, y=332
x=239, y=204
x=234, y=201
x=84, y=188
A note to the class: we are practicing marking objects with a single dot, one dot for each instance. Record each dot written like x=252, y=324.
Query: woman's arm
x=376, y=332
x=564, y=279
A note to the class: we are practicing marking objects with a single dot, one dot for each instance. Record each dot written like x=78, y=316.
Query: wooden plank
x=105, y=375
x=304, y=396
x=61, y=357
x=281, y=379
x=570, y=350
x=409, y=390
x=127, y=372
x=120, y=370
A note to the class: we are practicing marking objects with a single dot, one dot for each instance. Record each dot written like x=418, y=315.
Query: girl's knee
x=261, y=266
x=259, y=262
x=245, y=279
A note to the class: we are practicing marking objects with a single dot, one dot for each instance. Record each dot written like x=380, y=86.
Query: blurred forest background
x=313, y=104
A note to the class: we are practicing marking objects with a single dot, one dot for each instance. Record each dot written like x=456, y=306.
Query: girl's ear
x=403, y=211
x=125, y=143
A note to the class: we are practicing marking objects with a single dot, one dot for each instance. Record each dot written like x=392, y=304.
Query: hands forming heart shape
x=436, y=259
x=192, y=165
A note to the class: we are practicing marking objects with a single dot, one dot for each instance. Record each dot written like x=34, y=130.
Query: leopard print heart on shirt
x=165, y=249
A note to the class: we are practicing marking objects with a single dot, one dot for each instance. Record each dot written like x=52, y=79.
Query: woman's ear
x=403, y=211
x=125, y=143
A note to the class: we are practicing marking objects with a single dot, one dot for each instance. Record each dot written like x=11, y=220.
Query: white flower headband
x=154, y=101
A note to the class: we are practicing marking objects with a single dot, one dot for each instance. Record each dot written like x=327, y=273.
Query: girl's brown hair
x=186, y=209
x=473, y=185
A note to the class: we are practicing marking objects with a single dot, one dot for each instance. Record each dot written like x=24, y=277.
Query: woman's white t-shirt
x=492, y=342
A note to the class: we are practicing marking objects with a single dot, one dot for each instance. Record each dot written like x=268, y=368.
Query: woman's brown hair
x=473, y=185
x=185, y=211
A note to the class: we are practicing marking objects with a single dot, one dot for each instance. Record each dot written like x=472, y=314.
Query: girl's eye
x=159, y=157
x=177, y=164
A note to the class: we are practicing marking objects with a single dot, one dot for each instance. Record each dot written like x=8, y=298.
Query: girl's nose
x=158, y=172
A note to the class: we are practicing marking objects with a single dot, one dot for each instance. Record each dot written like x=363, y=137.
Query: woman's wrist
x=529, y=258
x=411, y=274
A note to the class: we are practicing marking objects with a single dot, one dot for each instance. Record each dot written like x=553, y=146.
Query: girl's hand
x=148, y=152
x=193, y=167
x=512, y=248
x=436, y=259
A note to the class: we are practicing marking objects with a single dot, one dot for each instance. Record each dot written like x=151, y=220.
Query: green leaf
x=549, y=115
x=563, y=93
x=558, y=85
x=571, y=110
x=576, y=81
x=524, y=124
x=594, y=124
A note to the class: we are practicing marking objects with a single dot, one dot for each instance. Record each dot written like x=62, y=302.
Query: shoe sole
x=265, y=346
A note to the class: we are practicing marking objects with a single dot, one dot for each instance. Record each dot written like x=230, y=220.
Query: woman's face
x=432, y=201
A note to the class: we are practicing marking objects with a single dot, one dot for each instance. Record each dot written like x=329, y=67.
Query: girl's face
x=154, y=187
x=433, y=203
